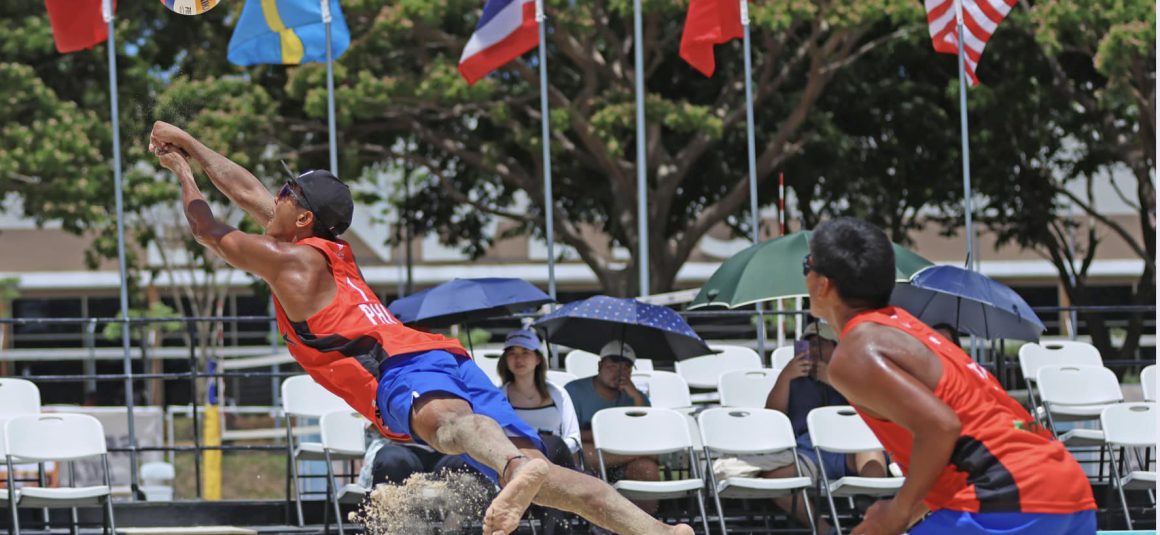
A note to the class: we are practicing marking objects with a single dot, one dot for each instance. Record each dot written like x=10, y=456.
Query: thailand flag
x=505, y=32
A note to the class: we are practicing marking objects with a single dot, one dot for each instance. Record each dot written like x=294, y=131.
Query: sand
x=425, y=504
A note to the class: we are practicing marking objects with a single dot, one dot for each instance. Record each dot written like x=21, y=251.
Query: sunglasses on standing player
x=807, y=266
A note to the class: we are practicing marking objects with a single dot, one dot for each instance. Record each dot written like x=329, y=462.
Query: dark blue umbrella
x=653, y=331
x=463, y=300
x=969, y=301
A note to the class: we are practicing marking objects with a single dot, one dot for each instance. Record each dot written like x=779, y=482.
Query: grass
x=245, y=475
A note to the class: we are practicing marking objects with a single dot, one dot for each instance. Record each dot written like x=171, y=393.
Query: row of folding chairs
x=730, y=431
x=29, y=436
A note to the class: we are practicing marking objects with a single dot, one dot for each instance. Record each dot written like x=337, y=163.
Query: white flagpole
x=546, y=135
x=127, y=363
x=332, y=134
x=968, y=209
x=750, y=141
x=963, y=132
x=641, y=155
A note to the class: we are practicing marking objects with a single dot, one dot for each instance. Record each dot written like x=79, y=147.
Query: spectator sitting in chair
x=540, y=404
x=612, y=387
x=801, y=387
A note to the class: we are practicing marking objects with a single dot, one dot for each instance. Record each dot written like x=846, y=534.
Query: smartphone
x=801, y=347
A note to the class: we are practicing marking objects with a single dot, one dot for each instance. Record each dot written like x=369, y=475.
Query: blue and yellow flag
x=287, y=32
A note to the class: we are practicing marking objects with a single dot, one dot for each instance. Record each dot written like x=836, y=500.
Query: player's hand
x=800, y=366
x=166, y=138
x=174, y=161
x=883, y=518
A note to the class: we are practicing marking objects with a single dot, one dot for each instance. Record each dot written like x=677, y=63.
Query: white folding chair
x=343, y=435
x=18, y=397
x=304, y=398
x=781, y=357
x=666, y=390
x=1130, y=425
x=157, y=481
x=581, y=363
x=704, y=372
x=1033, y=356
x=60, y=438
x=746, y=388
x=1077, y=393
x=642, y=365
x=839, y=429
x=488, y=361
x=1148, y=382
x=560, y=378
x=640, y=431
x=733, y=431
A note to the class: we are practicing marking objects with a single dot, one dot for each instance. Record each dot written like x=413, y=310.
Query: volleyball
x=190, y=7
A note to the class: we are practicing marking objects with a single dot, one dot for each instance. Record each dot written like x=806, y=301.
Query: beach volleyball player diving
x=975, y=461
x=405, y=381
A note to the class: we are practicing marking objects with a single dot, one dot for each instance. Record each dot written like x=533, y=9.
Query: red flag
x=980, y=19
x=707, y=24
x=77, y=24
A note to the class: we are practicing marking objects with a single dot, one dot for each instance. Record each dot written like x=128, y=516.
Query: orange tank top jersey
x=1003, y=461
x=341, y=345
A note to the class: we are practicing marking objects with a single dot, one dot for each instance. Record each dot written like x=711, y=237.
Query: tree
x=1070, y=98
x=398, y=87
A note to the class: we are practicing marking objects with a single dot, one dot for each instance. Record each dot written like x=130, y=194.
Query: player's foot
x=503, y=516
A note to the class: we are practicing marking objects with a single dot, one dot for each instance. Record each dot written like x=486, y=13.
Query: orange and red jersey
x=342, y=345
x=1003, y=461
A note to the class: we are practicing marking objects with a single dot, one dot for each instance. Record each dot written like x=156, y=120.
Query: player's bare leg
x=447, y=424
x=593, y=499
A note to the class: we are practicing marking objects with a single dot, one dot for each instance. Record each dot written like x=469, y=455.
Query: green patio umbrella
x=773, y=270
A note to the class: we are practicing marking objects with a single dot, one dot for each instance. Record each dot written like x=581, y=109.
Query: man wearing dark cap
x=419, y=384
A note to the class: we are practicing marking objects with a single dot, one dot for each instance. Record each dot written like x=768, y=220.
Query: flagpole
x=545, y=134
x=963, y=133
x=127, y=363
x=968, y=209
x=641, y=156
x=330, y=90
x=751, y=147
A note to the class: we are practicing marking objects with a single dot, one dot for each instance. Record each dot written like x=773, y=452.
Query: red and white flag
x=980, y=20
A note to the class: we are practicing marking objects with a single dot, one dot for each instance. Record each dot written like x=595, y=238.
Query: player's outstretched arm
x=870, y=379
x=233, y=180
x=260, y=255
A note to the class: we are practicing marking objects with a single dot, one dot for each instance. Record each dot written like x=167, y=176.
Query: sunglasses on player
x=288, y=191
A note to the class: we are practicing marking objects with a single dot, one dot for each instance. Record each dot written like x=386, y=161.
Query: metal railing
x=717, y=325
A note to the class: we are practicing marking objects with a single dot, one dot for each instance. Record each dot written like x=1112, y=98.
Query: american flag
x=980, y=19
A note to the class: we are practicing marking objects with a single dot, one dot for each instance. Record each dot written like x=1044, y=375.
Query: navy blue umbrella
x=969, y=301
x=463, y=300
x=653, y=331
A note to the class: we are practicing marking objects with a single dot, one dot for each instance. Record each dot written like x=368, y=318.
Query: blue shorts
x=405, y=378
x=959, y=522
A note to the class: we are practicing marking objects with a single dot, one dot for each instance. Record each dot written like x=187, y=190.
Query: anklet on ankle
x=508, y=464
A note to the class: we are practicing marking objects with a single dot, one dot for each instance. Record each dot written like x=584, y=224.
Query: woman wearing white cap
x=542, y=405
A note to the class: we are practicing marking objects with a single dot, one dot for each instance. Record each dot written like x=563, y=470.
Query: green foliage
x=157, y=310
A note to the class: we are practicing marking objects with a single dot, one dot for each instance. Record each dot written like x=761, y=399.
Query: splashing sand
x=425, y=504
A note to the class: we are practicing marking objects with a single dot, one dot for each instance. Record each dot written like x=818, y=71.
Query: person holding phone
x=800, y=388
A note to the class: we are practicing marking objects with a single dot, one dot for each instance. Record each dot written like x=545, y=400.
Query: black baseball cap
x=328, y=198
